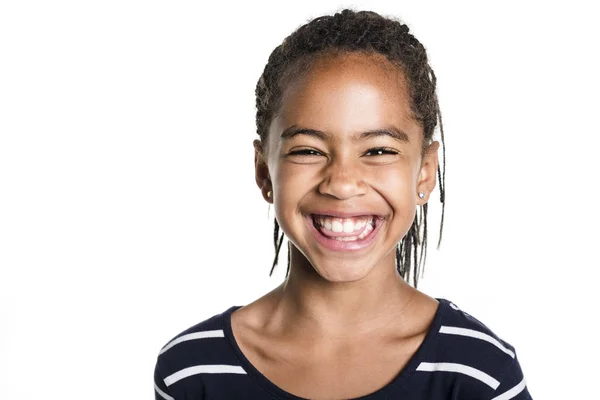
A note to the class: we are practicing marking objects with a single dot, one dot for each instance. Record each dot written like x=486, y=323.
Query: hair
x=366, y=32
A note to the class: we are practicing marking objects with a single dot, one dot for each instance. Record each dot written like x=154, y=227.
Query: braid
x=277, y=245
x=367, y=32
x=277, y=241
x=441, y=176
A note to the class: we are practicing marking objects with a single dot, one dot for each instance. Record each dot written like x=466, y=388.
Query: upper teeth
x=346, y=225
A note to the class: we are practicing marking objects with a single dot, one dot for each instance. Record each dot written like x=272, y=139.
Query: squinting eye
x=304, y=152
x=380, y=151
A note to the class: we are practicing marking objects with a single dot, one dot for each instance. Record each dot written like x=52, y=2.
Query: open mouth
x=353, y=229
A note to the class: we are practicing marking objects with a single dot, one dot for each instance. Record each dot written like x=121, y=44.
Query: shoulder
x=460, y=324
x=483, y=363
x=201, y=342
x=193, y=351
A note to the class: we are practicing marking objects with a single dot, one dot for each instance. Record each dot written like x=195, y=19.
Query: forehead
x=348, y=93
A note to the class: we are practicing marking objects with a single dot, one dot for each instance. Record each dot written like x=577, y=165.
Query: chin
x=343, y=272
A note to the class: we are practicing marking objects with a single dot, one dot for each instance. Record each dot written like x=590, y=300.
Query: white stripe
x=461, y=368
x=454, y=306
x=192, y=336
x=162, y=394
x=509, y=394
x=203, y=369
x=454, y=330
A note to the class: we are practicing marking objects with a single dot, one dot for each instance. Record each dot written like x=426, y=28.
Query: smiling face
x=343, y=161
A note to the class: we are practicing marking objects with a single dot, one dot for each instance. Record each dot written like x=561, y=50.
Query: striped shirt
x=459, y=359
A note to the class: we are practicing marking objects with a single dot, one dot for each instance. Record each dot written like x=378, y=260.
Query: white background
x=129, y=212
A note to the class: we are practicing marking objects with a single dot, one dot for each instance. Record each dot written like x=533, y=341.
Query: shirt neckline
x=393, y=387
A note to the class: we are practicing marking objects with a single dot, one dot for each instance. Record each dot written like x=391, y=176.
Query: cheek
x=292, y=184
x=398, y=188
x=397, y=179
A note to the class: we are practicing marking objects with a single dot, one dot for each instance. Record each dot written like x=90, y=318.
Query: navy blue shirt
x=459, y=359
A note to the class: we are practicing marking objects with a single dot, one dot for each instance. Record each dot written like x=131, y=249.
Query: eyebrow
x=392, y=132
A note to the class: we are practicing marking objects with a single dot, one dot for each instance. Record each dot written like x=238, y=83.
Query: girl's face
x=345, y=146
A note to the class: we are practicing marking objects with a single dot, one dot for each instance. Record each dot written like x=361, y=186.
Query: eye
x=380, y=151
x=304, y=152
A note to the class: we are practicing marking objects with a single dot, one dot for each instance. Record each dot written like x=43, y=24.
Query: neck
x=306, y=302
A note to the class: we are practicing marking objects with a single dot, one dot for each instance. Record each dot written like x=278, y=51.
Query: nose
x=342, y=180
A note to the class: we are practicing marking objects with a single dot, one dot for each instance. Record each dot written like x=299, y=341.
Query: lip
x=336, y=245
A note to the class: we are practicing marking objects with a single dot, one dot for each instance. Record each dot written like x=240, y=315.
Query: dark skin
x=343, y=324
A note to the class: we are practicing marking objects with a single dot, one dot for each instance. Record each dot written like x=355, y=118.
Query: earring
x=269, y=194
x=421, y=195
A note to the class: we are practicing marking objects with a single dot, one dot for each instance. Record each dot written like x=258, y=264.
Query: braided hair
x=367, y=32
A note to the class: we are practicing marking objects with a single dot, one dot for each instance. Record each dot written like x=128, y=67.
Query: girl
x=346, y=111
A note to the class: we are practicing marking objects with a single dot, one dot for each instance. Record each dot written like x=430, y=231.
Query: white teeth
x=348, y=227
x=367, y=230
x=347, y=239
x=337, y=226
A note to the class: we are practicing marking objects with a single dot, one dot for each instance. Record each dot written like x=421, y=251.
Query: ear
x=261, y=170
x=428, y=173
